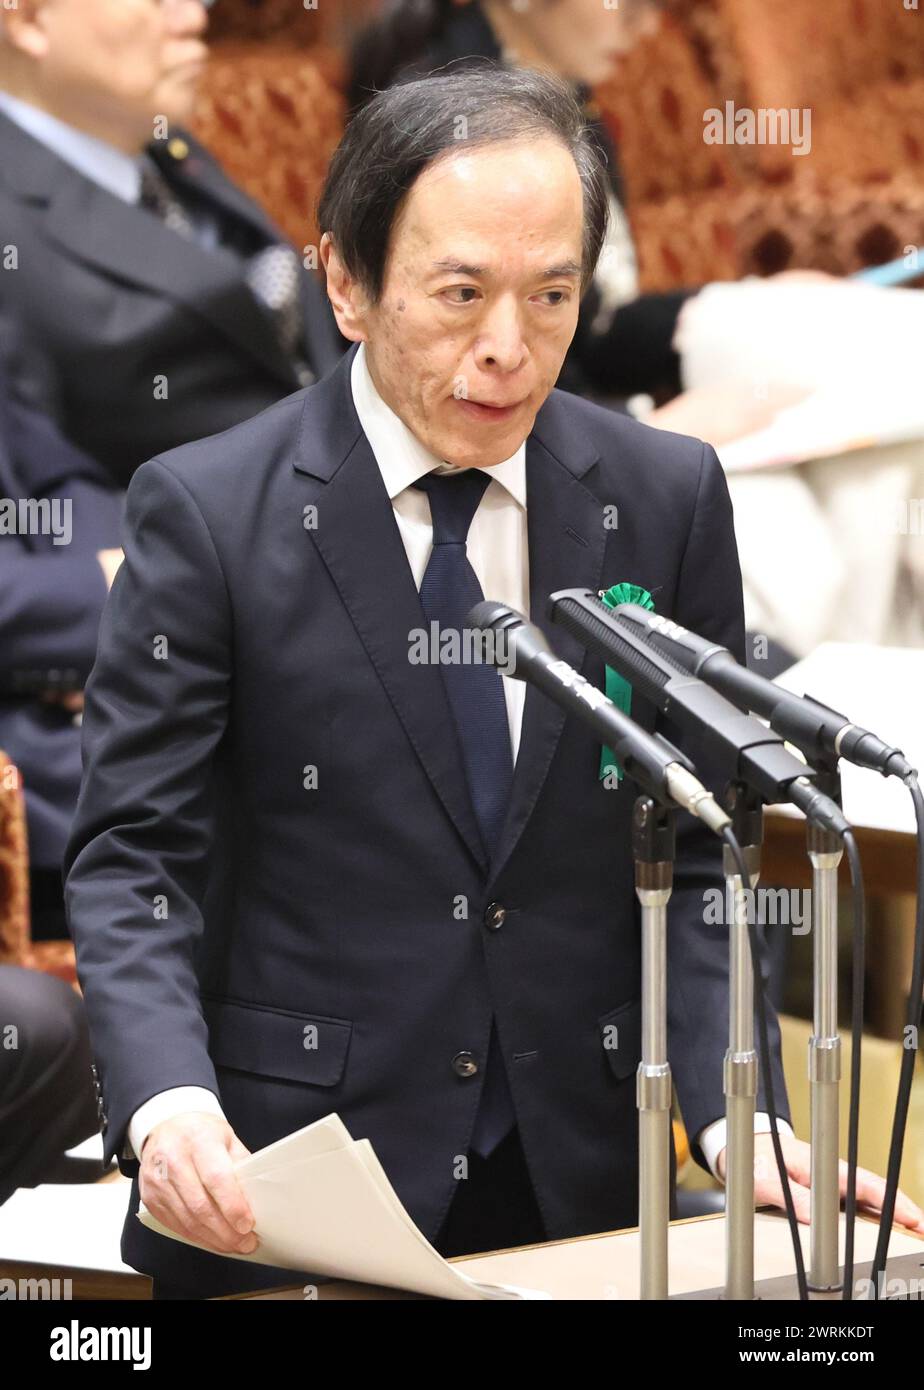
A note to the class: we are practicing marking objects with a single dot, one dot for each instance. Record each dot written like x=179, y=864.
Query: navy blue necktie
x=448, y=591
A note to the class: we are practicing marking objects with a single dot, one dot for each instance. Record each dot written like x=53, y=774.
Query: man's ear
x=21, y=28
x=348, y=299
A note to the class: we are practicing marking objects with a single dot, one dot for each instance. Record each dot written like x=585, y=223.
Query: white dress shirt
x=498, y=551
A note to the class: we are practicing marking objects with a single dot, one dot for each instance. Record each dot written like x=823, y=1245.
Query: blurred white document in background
x=855, y=348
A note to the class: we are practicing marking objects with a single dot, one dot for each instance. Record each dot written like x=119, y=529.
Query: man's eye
x=457, y=290
x=556, y=297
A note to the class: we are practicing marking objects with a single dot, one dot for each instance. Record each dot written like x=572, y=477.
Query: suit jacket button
x=494, y=915
x=464, y=1064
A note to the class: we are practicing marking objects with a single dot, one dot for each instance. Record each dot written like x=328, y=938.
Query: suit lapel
x=567, y=541
x=202, y=176
x=361, y=546
x=129, y=242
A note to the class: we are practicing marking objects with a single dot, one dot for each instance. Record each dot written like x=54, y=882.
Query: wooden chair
x=16, y=944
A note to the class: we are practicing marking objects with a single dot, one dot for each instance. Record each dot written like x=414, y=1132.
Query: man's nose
x=501, y=340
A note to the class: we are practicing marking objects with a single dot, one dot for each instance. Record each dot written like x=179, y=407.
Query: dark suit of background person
x=629, y=351
x=51, y=598
x=48, y=1103
x=50, y=602
x=334, y=907
x=116, y=298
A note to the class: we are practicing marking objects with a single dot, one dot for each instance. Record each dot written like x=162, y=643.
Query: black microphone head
x=596, y=626
x=509, y=640
x=491, y=614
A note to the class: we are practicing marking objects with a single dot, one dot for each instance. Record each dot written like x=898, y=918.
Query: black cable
x=764, y=1046
x=856, y=1047
x=906, y=1075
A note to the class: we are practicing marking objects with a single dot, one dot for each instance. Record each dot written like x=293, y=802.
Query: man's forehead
x=469, y=224
x=517, y=164
x=527, y=239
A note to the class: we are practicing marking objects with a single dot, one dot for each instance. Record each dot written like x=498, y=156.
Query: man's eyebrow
x=552, y=272
x=459, y=267
x=566, y=268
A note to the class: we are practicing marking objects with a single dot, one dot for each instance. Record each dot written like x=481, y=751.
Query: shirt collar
x=400, y=455
x=98, y=161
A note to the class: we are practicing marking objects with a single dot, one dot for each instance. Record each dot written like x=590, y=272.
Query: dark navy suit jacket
x=51, y=598
x=153, y=339
x=242, y=647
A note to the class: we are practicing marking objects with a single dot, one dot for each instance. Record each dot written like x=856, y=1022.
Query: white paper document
x=323, y=1204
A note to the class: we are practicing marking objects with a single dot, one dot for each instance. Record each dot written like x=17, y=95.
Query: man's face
x=581, y=40
x=119, y=63
x=480, y=298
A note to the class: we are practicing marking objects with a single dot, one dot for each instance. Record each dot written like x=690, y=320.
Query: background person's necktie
x=448, y=591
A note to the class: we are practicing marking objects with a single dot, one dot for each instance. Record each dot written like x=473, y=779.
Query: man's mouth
x=493, y=411
x=189, y=55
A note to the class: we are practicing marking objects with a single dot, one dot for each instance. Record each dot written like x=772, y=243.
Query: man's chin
x=481, y=445
x=177, y=96
x=469, y=454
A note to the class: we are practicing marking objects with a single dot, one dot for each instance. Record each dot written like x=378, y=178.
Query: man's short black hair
x=402, y=131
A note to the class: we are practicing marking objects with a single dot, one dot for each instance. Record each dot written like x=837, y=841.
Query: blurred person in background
x=624, y=344
x=58, y=556
x=167, y=305
x=47, y=1093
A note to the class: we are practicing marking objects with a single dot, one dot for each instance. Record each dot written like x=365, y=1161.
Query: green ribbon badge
x=618, y=688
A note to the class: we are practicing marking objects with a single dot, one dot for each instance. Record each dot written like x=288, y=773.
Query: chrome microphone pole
x=653, y=850
x=825, y=850
x=740, y=1073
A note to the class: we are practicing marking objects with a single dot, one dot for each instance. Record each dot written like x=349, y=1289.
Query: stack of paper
x=322, y=1203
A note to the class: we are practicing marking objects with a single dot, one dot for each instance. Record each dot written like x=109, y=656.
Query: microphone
x=656, y=765
x=752, y=753
x=815, y=728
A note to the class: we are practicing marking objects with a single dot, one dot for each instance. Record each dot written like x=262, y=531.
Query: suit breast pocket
x=279, y=1043
x=621, y=1038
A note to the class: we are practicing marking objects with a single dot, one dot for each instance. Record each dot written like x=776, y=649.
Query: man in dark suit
x=292, y=830
x=167, y=303
x=59, y=550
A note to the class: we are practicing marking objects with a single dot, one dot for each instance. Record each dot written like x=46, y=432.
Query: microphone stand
x=740, y=1073
x=825, y=850
x=653, y=851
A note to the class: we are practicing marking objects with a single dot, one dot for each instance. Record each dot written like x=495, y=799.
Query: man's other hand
x=797, y=1156
x=186, y=1182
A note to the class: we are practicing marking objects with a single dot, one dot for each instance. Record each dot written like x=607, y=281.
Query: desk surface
x=606, y=1266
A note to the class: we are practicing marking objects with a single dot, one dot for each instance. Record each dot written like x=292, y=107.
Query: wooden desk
x=605, y=1266
x=889, y=858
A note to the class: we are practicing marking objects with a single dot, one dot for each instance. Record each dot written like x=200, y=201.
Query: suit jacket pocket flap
x=277, y=1042
x=621, y=1035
